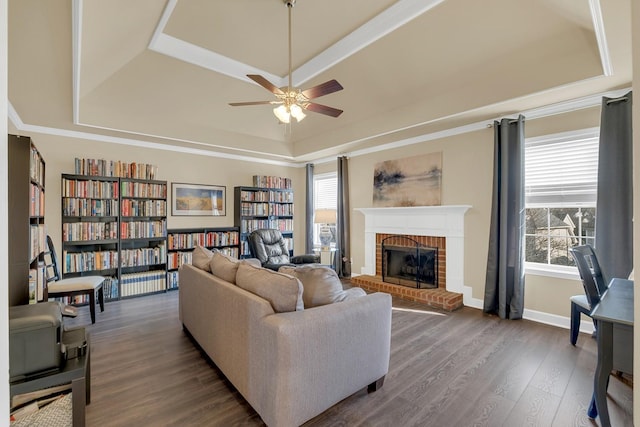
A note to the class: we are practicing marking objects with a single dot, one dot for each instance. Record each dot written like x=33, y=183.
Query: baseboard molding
x=586, y=326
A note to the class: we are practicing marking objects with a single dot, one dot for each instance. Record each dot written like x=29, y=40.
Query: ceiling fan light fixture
x=282, y=114
x=297, y=113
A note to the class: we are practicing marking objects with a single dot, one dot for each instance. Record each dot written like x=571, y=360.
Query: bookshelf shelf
x=115, y=227
x=26, y=220
x=181, y=243
x=264, y=207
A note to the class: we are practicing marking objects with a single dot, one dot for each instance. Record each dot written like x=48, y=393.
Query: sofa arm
x=312, y=359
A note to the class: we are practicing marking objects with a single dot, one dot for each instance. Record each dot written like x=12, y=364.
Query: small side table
x=76, y=371
x=327, y=256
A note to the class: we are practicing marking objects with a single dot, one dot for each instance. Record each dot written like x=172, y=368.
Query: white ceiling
x=164, y=71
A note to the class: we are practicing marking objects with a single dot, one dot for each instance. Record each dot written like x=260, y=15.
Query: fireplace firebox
x=406, y=262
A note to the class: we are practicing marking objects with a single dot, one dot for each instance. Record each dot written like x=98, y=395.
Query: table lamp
x=326, y=217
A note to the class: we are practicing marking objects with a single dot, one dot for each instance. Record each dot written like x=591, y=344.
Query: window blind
x=325, y=192
x=561, y=172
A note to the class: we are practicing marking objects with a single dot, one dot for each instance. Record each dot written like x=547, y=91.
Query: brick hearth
x=438, y=298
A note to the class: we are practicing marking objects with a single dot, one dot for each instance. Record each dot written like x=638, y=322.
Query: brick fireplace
x=440, y=227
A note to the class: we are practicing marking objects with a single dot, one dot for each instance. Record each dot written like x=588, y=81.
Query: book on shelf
x=271, y=181
x=115, y=168
x=33, y=286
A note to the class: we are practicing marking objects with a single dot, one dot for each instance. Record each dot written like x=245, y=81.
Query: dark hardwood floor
x=446, y=369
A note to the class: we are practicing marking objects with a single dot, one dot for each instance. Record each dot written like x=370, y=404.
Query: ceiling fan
x=292, y=101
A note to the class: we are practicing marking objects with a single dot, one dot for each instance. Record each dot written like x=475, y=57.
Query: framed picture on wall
x=198, y=199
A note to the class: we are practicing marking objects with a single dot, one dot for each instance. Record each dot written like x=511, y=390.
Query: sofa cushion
x=225, y=266
x=321, y=285
x=283, y=291
x=201, y=257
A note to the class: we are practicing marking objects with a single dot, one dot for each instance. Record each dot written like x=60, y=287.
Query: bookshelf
x=181, y=243
x=115, y=227
x=263, y=207
x=26, y=196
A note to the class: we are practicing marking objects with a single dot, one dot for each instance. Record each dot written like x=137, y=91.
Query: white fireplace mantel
x=442, y=221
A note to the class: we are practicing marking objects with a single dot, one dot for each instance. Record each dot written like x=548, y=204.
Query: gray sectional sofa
x=289, y=362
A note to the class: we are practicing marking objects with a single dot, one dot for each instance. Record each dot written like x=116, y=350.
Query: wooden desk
x=614, y=324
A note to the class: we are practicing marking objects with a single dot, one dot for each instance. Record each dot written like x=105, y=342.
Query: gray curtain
x=614, y=208
x=308, y=239
x=343, y=256
x=504, y=288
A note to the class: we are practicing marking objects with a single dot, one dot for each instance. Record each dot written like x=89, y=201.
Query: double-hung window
x=325, y=196
x=561, y=179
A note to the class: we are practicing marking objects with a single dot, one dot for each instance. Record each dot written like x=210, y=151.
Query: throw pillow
x=283, y=292
x=201, y=258
x=224, y=266
x=321, y=285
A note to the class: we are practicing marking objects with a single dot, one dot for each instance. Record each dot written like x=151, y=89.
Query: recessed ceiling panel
x=255, y=32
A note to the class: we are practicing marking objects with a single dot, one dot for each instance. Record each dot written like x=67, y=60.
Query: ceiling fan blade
x=265, y=84
x=322, y=109
x=322, y=89
x=240, y=104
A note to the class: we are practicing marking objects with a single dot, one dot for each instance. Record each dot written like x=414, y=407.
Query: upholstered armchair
x=269, y=247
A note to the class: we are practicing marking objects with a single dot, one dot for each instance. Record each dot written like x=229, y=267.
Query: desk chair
x=593, y=283
x=71, y=287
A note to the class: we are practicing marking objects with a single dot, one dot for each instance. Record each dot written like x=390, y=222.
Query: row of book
x=134, y=207
x=37, y=283
x=208, y=239
x=36, y=207
x=271, y=181
x=143, y=229
x=267, y=196
x=37, y=240
x=89, y=189
x=101, y=167
x=75, y=231
x=143, y=256
x=143, y=283
x=176, y=259
x=79, y=262
x=36, y=167
x=89, y=207
x=143, y=189
x=265, y=209
x=172, y=280
x=248, y=225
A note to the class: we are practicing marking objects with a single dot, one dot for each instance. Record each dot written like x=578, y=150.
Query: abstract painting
x=412, y=181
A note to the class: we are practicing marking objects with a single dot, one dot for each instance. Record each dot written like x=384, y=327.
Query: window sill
x=557, y=271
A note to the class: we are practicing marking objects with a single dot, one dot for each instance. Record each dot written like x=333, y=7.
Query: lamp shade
x=325, y=216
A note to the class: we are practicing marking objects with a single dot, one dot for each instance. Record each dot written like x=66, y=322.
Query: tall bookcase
x=181, y=243
x=26, y=190
x=261, y=207
x=115, y=227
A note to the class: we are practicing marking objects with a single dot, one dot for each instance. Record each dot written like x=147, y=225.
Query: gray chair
x=73, y=286
x=268, y=245
x=593, y=283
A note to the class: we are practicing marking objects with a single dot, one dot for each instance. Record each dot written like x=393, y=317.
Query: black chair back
x=590, y=273
x=268, y=246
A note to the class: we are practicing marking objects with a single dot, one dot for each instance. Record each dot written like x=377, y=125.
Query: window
x=561, y=179
x=325, y=196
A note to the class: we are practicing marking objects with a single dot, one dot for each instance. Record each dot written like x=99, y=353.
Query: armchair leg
x=375, y=385
x=575, y=323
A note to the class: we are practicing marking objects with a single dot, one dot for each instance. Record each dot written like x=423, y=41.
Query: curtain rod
x=622, y=98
